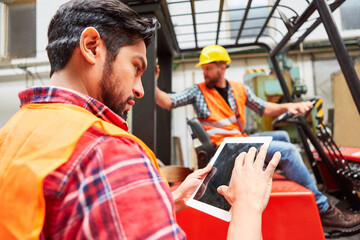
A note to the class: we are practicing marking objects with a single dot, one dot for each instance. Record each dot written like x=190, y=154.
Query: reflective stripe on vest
x=220, y=131
x=222, y=121
x=33, y=143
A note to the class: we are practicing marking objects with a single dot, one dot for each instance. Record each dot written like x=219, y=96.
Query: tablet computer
x=206, y=198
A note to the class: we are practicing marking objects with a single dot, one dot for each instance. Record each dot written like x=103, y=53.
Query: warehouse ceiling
x=193, y=24
x=274, y=25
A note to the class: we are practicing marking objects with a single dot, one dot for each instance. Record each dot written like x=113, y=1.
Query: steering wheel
x=292, y=118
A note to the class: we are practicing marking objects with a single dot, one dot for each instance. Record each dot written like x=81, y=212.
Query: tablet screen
x=221, y=174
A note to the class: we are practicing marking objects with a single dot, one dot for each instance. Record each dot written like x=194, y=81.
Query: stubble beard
x=211, y=83
x=109, y=94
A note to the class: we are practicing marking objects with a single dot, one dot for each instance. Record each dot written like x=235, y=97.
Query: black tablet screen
x=221, y=174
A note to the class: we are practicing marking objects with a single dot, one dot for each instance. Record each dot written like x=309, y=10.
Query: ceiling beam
x=219, y=20
x=243, y=21
x=194, y=21
x=267, y=19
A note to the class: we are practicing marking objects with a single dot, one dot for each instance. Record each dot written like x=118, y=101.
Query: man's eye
x=137, y=68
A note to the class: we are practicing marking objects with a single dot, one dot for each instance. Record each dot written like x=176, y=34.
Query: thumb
x=222, y=190
x=293, y=111
x=200, y=173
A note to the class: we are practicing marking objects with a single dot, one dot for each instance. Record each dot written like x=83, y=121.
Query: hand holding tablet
x=248, y=184
x=250, y=199
x=255, y=188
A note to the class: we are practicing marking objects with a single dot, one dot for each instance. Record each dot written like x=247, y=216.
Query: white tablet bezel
x=212, y=210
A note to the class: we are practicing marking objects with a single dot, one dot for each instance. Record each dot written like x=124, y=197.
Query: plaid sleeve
x=113, y=192
x=184, y=97
x=253, y=102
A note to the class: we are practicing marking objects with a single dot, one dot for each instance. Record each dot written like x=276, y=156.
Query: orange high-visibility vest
x=222, y=121
x=34, y=142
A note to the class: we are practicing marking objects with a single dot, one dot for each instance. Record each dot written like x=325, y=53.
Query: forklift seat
x=204, y=148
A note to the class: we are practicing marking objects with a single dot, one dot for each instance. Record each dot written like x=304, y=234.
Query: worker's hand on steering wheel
x=295, y=109
x=299, y=108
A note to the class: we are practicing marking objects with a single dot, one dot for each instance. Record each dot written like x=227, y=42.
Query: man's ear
x=89, y=44
x=223, y=67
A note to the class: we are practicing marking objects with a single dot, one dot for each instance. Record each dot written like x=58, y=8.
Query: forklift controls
x=347, y=172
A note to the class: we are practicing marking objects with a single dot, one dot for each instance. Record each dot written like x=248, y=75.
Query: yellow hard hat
x=213, y=53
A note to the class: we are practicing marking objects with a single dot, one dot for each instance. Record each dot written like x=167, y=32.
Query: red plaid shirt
x=108, y=189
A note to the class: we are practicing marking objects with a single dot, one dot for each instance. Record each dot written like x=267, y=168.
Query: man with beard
x=69, y=167
x=220, y=107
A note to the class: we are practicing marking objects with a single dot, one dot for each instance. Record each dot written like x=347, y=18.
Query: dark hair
x=218, y=63
x=117, y=24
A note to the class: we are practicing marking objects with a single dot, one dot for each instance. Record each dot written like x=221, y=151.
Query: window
x=20, y=29
x=350, y=17
x=255, y=19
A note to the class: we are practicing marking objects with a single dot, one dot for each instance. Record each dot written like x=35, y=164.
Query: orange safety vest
x=222, y=121
x=34, y=142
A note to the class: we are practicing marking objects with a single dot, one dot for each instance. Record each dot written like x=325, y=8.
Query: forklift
x=292, y=211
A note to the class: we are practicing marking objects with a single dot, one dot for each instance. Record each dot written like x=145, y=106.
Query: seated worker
x=220, y=107
x=69, y=167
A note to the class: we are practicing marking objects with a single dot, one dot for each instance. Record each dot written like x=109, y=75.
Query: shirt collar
x=226, y=88
x=63, y=95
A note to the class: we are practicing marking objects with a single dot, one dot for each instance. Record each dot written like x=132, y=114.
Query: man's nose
x=138, y=89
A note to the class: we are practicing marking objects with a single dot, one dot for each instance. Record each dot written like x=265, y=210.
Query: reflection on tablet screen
x=221, y=174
